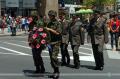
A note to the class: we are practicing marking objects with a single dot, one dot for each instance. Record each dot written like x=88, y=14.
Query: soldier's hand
x=82, y=29
x=47, y=28
x=108, y=29
x=106, y=41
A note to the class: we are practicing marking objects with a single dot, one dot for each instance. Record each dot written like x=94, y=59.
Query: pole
x=0, y=7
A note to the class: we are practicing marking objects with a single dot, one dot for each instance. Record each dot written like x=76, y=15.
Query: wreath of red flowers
x=38, y=38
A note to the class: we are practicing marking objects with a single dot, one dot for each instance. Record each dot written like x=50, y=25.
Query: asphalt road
x=16, y=62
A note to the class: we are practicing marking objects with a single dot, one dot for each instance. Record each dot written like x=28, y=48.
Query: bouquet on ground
x=38, y=38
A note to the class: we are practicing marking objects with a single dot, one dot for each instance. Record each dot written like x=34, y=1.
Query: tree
x=41, y=7
x=99, y=3
x=89, y=2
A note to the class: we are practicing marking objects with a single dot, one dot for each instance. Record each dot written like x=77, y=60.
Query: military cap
x=52, y=13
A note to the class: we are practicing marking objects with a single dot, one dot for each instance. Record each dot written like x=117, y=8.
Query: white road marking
x=10, y=54
x=84, y=58
x=84, y=48
x=87, y=44
x=13, y=51
x=81, y=52
x=17, y=45
x=47, y=51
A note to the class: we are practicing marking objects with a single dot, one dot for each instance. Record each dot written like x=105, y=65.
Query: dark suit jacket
x=75, y=33
x=98, y=31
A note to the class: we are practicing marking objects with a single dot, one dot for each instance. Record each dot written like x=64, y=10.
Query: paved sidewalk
x=8, y=34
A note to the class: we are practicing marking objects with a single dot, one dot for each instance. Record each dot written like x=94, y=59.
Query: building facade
x=17, y=7
x=118, y=5
x=26, y=7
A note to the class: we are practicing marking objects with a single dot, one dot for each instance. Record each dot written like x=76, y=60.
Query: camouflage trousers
x=53, y=52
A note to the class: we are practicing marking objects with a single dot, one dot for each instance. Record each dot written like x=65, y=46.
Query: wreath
x=38, y=38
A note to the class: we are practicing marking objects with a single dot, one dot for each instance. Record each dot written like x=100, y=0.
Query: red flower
x=44, y=35
x=43, y=41
x=40, y=29
x=34, y=36
x=38, y=46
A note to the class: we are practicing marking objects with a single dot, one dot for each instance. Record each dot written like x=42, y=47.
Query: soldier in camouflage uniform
x=75, y=39
x=54, y=28
x=65, y=40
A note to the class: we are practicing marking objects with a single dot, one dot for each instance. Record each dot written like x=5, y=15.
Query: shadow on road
x=30, y=73
x=88, y=67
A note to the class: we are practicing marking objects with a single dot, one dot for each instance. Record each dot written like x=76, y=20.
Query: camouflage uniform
x=54, y=42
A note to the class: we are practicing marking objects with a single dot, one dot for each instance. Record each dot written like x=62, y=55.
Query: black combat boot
x=55, y=74
x=77, y=66
x=37, y=69
x=63, y=63
x=68, y=61
x=76, y=62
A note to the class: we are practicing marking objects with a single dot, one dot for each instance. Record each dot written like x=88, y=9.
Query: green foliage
x=100, y=2
x=34, y=13
x=89, y=2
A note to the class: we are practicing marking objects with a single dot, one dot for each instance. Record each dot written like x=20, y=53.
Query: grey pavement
x=8, y=34
x=16, y=62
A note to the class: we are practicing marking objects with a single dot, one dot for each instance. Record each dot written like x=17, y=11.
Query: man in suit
x=75, y=39
x=36, y=52
x=98, y=33
x=65, y=40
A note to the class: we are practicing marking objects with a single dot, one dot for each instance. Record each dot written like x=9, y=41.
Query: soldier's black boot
x=37, y=69
x=68, y=60
x=76, y=62
x=55, y=74
x=98, y=68
x=63, y=63
x=77, y=65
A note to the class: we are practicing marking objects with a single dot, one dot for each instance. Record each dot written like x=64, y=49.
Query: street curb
x=9, y=34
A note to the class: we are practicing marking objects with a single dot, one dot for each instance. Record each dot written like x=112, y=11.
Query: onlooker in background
x=23, y=23
x=114, y=31
x=9, y=24
x=26, y=25
x=18, y=28
x=14, y=27
x=1, y=22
